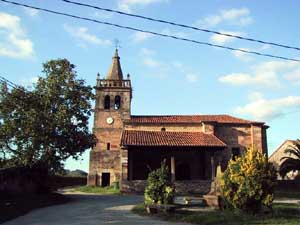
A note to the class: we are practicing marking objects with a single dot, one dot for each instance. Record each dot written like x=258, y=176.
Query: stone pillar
x=124, y=164
x=213, y=167
x=92, y=180
x=173, y=168
x=130, y=165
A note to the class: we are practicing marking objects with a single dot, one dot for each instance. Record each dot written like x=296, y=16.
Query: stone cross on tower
x=117, y=43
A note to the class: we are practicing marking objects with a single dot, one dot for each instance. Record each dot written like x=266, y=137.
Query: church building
x=129, y=146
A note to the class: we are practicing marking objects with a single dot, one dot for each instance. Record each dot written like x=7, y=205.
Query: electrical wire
x=152, y=32
x=181, y=25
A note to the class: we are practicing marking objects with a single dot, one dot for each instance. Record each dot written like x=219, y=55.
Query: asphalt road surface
x=90, y=210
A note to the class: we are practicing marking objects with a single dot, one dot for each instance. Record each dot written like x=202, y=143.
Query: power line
x=152, y=32
x=182, y=25
x=11, y=84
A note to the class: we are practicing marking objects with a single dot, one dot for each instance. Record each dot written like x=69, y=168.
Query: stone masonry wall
x=181, y=187
x=104, y=162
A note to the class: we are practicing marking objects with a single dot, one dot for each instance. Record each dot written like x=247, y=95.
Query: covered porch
x=190, y=157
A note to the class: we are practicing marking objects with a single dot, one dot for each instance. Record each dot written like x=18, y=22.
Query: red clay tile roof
x=190, y=119
x=165, y=138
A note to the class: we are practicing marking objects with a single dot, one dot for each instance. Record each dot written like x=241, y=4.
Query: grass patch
x=96, y=190
x=12, y=207
x=285, y=214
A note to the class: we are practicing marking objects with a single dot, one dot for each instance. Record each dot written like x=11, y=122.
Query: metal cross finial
x=117, y=43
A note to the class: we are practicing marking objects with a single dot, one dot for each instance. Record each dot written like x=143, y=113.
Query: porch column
x=130, y=165
x=172, y=168
x=213, y=167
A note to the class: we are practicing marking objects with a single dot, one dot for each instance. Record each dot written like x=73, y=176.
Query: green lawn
x=285, y=214
x=96, y=190
x=12, y=207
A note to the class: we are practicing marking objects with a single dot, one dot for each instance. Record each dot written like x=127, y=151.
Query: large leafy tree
x=47, y=125
x=292, y=161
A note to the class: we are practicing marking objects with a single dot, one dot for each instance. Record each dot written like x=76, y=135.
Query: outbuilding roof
x=225, y=119
x=166, y=138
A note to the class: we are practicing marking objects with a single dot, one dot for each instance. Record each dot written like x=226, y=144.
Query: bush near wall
x=248, y=182
x=159, y=189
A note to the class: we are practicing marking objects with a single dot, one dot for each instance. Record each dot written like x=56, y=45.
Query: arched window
x=106, y=102
x=117, y=102
x=163, y=129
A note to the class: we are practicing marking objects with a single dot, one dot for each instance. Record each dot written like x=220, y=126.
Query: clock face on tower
x=109, y=120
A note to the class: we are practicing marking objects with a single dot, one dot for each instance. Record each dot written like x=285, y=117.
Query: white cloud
x=259, y=79
x=147, y=52
x=264, y=74
x=240, y=17
x=127, y=5
x=150, y=62
x=262, y=109
x=138, y=37
x=82, y=34
x=103, y=15
x=253, y=96
x=13, y=39
x=293, y=76
x=174, y=33
x=221, y=39
x=28, y=83
x=191, y=77
x=31, y=12
x=246, y=57
x=233, y=14
x=141, y=36
x=243, y=55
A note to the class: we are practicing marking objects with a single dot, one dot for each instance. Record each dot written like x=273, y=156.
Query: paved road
x=89, y=210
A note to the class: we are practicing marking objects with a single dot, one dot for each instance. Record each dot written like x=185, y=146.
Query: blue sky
x=169, y=76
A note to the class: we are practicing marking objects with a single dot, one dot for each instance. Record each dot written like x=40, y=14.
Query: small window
x=117, y=102
x=235, y=153
x=108, y=146
x=163, y=129
x=107, y=102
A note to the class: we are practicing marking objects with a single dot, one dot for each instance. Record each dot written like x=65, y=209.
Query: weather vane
x=117, y=43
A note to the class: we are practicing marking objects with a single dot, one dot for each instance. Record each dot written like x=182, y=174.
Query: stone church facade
x=129, y=146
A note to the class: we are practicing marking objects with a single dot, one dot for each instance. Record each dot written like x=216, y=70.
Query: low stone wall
x=192, y=187
x=133, y=186
x=22, y=180
x=56, y=182
x=288, y=185
x=181, y=187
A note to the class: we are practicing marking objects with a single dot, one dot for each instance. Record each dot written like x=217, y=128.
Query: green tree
x=47, y=125
x=291, y=162
x=248, y=182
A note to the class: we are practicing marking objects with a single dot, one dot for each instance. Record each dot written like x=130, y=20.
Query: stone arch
x=107, y=102
x=117, y=102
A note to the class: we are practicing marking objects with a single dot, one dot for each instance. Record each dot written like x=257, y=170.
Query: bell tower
x=112, y=108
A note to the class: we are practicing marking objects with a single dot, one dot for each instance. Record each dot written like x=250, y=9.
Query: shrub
x=159, y=189
x=248, y=182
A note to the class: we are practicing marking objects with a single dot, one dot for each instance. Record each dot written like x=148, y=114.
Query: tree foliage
x=159, y=189
x=248, y=182
x=291, y=162
x=47, y=125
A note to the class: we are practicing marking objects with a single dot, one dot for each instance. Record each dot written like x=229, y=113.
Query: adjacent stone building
x=278, y=154
x=129, y=146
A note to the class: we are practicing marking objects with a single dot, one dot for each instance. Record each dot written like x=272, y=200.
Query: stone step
x=189, y=200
